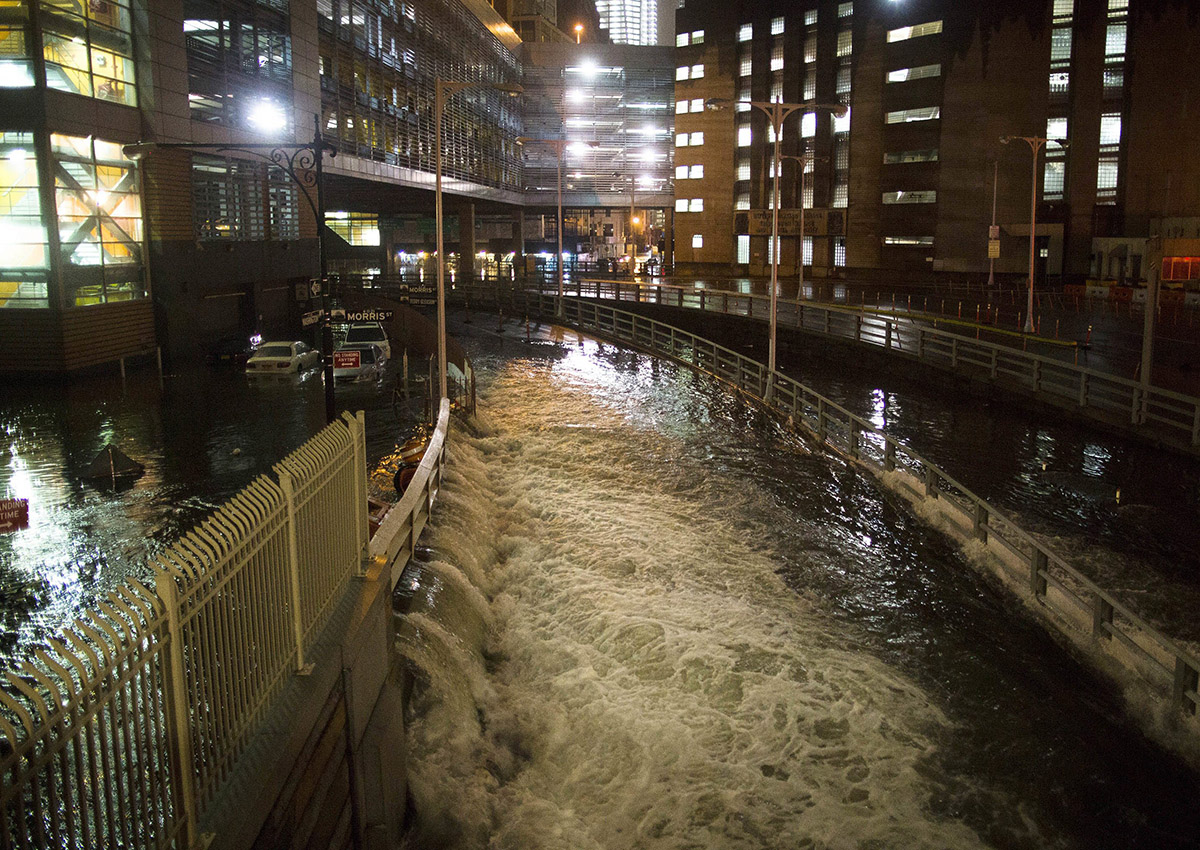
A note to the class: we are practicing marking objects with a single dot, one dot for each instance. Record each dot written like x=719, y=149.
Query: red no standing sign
x=14, y=514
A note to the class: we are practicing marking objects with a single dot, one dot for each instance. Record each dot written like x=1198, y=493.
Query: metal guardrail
x=1045, y=575
x=395, y=541
x=128, y=724
x=1175, y=417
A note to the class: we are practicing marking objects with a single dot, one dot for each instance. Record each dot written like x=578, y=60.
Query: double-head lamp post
x=303, y=165
x=1035, y=144
x=444, y=89
x=778, y=111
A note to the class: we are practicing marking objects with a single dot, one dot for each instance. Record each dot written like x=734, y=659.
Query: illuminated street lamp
x=578, y=33
x=303, y=164
x=777, y=111
x=1035, y=144
x=444, y=89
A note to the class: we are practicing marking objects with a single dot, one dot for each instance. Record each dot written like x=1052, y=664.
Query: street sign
x=301, y=292
x=370, y=315
x=993, y=249
x=14, y=514
x=337, y=314
x=346, y=359
x=310, y=318
x=315, y=288
x=994, y=232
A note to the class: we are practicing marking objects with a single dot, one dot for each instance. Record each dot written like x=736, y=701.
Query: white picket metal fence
x=1045, y=576
x=122, y=730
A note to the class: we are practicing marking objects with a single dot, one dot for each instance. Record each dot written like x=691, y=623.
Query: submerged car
x=358, y=362
x=369, y=332
x=282, y=358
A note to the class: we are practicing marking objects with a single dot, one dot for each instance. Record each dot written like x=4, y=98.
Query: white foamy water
x=647, y=679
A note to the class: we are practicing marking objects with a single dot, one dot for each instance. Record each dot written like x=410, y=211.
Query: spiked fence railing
x=120, y=731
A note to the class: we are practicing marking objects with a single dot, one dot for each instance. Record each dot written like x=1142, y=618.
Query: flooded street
x=650, y=617
x=202, y=436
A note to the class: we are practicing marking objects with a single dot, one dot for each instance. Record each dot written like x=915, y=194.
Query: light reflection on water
x=690, y=611
x=203, y=436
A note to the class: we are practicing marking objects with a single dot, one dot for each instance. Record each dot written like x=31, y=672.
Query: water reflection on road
x=202, y=435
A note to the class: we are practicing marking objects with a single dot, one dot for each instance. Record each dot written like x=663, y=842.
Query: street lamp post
x=444, y=89
x=303, y=165
x=1035, y=144
x=778, y=111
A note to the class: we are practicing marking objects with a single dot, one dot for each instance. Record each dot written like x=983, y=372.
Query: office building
x=903, y=184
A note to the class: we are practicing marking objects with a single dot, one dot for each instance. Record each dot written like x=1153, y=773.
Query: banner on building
x=817, y=222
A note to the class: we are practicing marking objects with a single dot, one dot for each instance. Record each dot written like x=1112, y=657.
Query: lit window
x=696, y=205
x=915, y=31
x=743, y=137
x=1114, y=41
x=808, y=125
x=698, y=37
x=810, y=18
x=745, y=32
x=742, y=202
x=681, y=73
x=745, y=65
x=681, y=205
x=696, y=172
x=777, y=55
x=681, y=172
x=921, y=196
x=697, y=104
x=905, y=116
x=697, y=240
x=743, y=247
x=845, y=10
x=1056, y=128
x=1110, y=129
x=696, y=138
x=845, y=43
x=681, y=140
x=681, y=40
x=777, y=26
x=920, y=72
x=697, y=72
x=839, y=252
x=681, y=107
x=743, y=169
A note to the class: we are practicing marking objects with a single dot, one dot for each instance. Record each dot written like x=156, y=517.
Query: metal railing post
x=855, y=431
x=1038, y=563
x=289, y=499
x=1102, y=617
x=1186, y=680
x=931, y=482
x=889, y=455
x=980, y=523
x=179, y=732
x=1083, y=389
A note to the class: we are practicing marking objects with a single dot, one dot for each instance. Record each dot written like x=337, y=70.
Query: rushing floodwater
x=649, y=618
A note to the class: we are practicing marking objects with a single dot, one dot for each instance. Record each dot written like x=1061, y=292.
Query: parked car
x=282, y=357
x=369, y=332
x=232, y=350
x=360, y=361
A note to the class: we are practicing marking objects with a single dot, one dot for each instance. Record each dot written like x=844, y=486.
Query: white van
x=369, y=332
